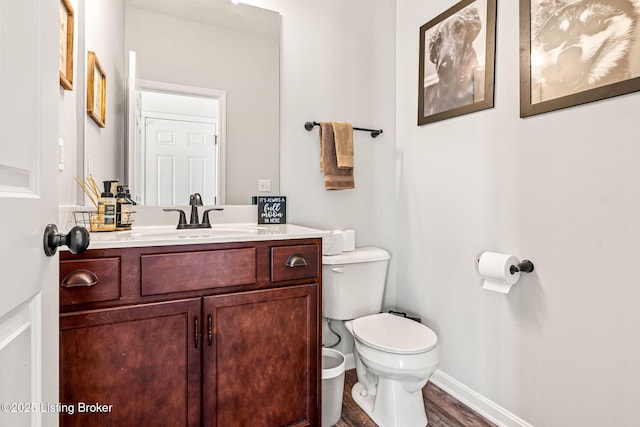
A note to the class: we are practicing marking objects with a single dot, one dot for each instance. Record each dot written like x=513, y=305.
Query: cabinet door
x=260, y=365
x=141, y=364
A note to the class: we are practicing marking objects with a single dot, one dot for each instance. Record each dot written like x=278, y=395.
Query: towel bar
x=374, y=132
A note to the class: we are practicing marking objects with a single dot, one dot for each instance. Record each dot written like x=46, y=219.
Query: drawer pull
x=80, y=279
x=210, y=332
x=296, y=260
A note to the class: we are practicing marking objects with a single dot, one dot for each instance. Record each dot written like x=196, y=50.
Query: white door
x=180, y=160
x=29, y=94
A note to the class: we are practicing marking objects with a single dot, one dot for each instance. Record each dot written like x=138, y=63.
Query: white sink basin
x=218, y=233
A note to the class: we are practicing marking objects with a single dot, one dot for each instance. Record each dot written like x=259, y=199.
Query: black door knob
x=77, y=239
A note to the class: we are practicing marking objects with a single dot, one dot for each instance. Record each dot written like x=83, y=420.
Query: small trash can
x=332, y=386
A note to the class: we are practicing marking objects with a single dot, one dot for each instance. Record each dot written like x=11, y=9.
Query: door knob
x=77, y=239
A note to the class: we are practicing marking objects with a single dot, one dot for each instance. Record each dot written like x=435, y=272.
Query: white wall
x=104, y=147
x=72, y=124
x=559, y=189
x=337, y=64
x=179, y=51
x=101, y=147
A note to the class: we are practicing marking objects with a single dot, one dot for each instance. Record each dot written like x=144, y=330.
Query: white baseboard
x=474, y=400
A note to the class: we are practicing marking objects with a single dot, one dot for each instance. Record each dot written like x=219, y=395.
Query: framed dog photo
x=577, y=51
x=457, y=59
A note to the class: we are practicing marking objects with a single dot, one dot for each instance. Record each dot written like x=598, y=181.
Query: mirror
x=179, y=147
x=221, y=48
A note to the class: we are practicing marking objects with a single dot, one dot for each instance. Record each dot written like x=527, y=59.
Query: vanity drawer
x=294, y=262
x=89, y=280
x=190, y=271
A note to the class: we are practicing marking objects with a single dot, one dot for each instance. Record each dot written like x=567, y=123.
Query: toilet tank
x=353, y=283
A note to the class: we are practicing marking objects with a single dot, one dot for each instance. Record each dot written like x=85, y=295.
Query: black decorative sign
x=272, y=210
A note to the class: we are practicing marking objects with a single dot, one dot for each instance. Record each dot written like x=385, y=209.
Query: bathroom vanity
x=213, y=328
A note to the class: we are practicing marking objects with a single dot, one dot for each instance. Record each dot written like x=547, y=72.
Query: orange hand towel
x=343, y=134
x=334, y=178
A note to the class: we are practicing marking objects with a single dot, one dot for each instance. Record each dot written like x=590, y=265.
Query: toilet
x=394, y=356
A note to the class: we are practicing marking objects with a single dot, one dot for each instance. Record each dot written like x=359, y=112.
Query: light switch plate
x=60, y=154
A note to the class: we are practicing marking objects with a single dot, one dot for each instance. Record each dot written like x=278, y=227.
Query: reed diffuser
x=103, y=219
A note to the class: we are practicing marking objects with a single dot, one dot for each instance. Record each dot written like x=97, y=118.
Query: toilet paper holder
x=525, y=266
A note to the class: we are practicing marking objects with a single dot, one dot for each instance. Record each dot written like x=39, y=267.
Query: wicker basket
x=93, y=221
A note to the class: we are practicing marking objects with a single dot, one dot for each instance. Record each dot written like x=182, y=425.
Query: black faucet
x=195, y=200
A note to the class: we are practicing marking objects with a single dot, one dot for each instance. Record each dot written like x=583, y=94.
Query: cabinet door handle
x=195, y=333
x=296, y=260
x=210, y=332
x=80, y=279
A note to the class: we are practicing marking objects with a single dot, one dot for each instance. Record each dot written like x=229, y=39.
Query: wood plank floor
x=442, y=409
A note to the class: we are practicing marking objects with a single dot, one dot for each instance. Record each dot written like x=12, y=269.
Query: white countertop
x=218, y=233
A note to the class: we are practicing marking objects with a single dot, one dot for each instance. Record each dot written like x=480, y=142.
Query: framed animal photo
x=456, y=62
x=577, y=51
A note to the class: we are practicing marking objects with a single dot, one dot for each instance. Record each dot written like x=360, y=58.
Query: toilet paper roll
x=332, y=244
x=495, y=269
x=348, y=240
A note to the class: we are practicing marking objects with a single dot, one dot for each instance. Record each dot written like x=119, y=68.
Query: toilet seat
x=393, y=334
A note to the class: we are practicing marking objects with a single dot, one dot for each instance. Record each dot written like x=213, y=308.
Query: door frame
x=171, y=88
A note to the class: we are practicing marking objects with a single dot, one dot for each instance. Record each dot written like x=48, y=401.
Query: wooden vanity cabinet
x=259, y=369
x=231, y=354
x=140, y=361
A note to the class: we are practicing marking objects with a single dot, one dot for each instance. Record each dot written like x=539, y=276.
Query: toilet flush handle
x=338, y=269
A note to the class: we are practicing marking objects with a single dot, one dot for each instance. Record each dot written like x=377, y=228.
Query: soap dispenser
x=124, y=208
x=107, y=207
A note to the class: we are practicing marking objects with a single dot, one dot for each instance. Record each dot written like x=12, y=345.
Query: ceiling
x=216, y=12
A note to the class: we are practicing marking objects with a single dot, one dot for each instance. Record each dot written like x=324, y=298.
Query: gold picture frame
x=96, y=90
x=66, y=45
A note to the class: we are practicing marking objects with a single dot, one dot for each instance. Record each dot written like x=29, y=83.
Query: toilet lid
x=394, y=334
